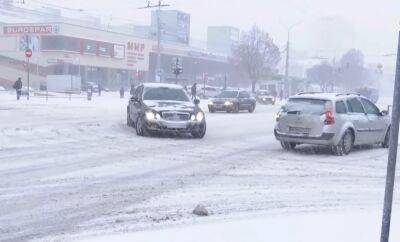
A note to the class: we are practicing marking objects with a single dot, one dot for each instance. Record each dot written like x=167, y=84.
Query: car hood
x=265, y=96
x=170, y=106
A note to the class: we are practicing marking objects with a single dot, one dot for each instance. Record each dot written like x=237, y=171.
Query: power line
x=160, y=5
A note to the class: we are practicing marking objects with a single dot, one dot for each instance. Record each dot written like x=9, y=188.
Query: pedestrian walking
x=132, y=91
x=89, y=93
x=194, y=90
x=122, y=92
x=281, y=95
x=18, y=86
x=100, y=87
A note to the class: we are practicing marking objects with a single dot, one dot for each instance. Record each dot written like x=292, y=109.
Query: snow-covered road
x=73, y=168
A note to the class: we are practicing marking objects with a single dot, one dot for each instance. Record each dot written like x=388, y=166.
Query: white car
x=331, y=119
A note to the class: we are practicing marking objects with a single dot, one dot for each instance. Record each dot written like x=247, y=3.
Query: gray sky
x=369, y=25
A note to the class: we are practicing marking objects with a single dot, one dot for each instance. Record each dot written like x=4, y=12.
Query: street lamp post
x=287, y=83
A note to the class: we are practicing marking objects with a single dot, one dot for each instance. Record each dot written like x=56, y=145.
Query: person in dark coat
x=281, y=94
x=89, y=92
x=100, y=87
x=194, y=90
x=122, y=92
x=132, y=91
x=18, y=86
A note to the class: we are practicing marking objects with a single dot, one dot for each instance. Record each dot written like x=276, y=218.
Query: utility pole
x=393, y=142
x=287, y=83
x=158, y=11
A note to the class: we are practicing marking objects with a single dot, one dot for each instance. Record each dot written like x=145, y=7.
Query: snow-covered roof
x=167, y=85
x=324, y=95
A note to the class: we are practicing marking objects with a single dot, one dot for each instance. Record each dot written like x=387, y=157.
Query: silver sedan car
x=330, y=119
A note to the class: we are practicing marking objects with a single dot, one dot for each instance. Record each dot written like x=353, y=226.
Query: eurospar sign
x=31, y=29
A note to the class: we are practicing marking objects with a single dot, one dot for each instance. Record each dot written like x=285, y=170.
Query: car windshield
x=263, y=93
x=228, y=94
x=307, y=105
x=165, y=94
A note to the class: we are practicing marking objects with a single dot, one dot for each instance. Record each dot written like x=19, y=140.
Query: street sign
x=28, y=53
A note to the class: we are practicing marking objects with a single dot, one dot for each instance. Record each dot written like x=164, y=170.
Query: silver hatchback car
x=331, y=119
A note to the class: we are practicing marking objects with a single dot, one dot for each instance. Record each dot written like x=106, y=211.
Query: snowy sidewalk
x=358, y=226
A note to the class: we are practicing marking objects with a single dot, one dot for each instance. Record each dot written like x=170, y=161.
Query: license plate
x=176, y=125
x=299, y=130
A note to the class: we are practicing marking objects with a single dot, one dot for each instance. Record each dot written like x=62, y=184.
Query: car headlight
x=200, y=116
x=158, y=116
x=192, y=117
x=211, y=103
x=150, y=115
x=228, y=103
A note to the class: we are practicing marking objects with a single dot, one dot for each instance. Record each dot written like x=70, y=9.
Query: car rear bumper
x=324, y=139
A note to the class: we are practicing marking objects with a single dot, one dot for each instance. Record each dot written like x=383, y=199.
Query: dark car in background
x=164, y=108
x=265, y=97
x=232, y=101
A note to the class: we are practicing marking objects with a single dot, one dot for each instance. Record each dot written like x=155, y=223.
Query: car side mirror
x=196, y=101
x=134, y=99
x=384, y=113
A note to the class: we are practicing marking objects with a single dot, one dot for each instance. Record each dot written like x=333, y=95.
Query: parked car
x=232, y=101
x=159, y=107
x=336, y=120
x=264, y=97
x=207, y=91
x=2, y=89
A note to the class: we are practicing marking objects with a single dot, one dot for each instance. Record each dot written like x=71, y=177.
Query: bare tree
x=352, y=69
x=323, y=74
x=256, y=54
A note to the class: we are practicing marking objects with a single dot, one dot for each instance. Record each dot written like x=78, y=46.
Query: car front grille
x=176, y=116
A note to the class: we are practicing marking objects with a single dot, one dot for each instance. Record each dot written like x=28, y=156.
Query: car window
x=370, y=108
x=228, y=94
x=341, y=107
x=307, y=105
x=166, y=94
x=244, y=95
x=355, y=106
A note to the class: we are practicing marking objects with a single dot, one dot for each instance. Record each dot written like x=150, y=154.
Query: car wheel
x=129, y=121
x=288, y=145
x=385, y=143
x=345, y=144
x=141, y=128
x=199, y=132
x=252, y=108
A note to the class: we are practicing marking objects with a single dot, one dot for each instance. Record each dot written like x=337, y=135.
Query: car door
x=244, y=100
x=359, y=118
x=376, y=121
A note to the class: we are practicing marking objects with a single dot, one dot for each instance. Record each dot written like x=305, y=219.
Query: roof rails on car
x=303, y=93
x=347, y=94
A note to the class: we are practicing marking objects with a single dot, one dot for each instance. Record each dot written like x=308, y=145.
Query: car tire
x=345, y=144
x=200, y=132
x=129, y=121
x=141, y=128
x=252, y=108
x=385, y=143
x=288, y=145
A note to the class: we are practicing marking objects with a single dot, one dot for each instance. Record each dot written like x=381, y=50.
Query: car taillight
x=329, y=119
